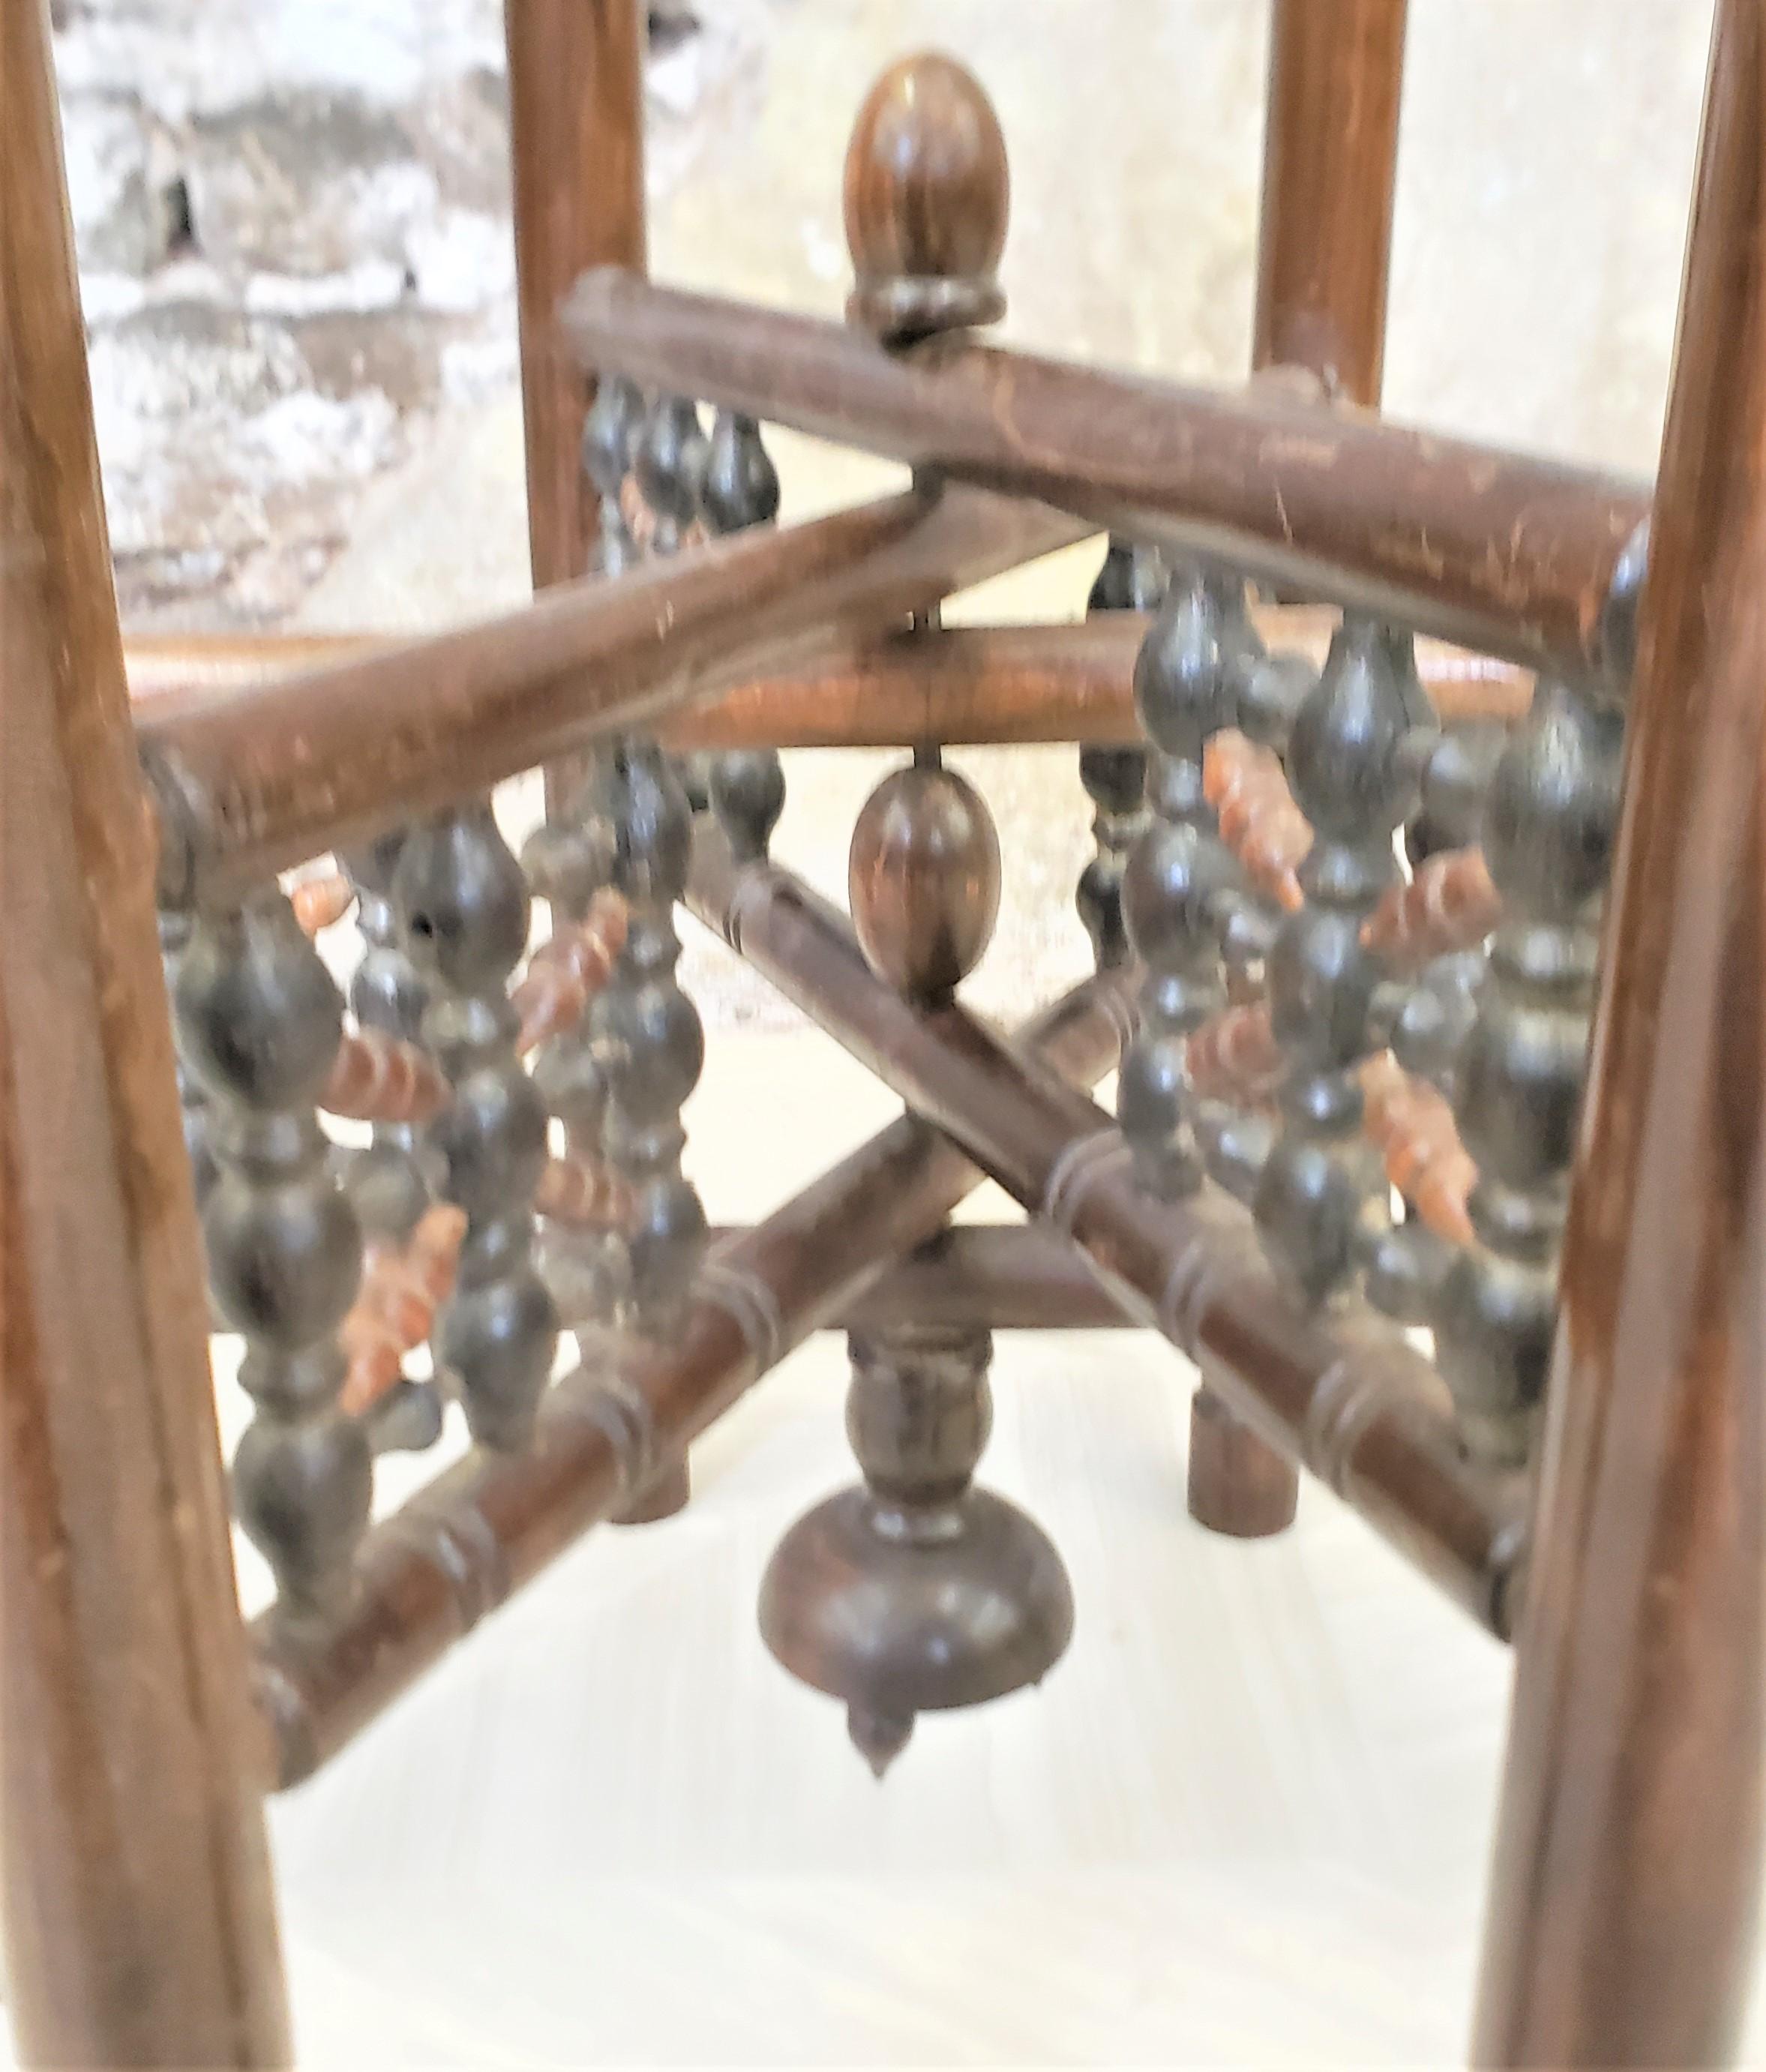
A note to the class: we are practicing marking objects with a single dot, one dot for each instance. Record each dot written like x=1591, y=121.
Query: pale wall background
x=292, y=216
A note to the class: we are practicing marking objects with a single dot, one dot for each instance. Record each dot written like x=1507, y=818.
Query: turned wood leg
x=663, y=1499
x=1622, y=1914
x=134, y=1880
x=1237, y=1484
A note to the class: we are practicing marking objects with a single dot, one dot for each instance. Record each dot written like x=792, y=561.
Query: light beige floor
x=1243, y=1823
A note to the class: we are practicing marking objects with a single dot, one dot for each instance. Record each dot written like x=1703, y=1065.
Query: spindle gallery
x=1428, y=906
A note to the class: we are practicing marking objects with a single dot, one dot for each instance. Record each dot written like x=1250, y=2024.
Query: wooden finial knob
x=923, y=879
x=927, y=193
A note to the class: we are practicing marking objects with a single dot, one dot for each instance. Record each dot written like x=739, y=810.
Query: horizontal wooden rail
x=1502, y=553
x=1008, y=1277
x=1348, y=1398
x=960, y=685
x=428, y=1574
x=250, y=781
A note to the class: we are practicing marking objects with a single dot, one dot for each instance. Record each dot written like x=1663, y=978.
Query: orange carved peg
x=402, y=1288
x=1259, y=822
x=568, y=970
x=579, y=1190
x=1451, y=904
x=1411, y=1123
x=320, y=902
x=379, y=1078
x=1234, y=1057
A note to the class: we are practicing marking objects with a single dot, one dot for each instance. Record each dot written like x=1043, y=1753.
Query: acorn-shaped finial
x=927, y=193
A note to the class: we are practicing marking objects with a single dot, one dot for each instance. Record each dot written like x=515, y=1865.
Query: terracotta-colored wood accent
x=1450, y=904
x=1509, y=555
x=403, y=1285
x=479, y=1531
x=1234, y=1056
x=1330, y=157
x=566, y=971
x=379, y=1078
x=1411, y=1123
x=265, y=778
x=321, y=903
x=578, y=1189
x=1247, y=788
x=1627, y=1860
x=1352, y=1401
x=140, y=1927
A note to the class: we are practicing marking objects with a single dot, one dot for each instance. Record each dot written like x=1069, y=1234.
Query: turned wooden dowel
x=249, y=783
x=1347, y=1397
x=566, y=971
x=1411, y=1124
x=403, y=1285
x=1247, y=788
x=1330, y=162
x=321, y=903
x=1507, y=554
x=584, y=1193
x=136, y=1900
x=458, y=1550
x=1449, y=904
x=1626, y=1881
x=379, y=1078
x=1234, y=1056
x=955, y=683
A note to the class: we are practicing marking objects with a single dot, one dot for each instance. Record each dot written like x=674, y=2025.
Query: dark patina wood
x=576, y=139
x=1627, y=1871
x=955, y=684
x=1330, y=156
x=926, y=193
x=1342, y=1394
x=916, y=1592
x=454, y=1553
x=265, y=777
x=1500, y=552
x=923, y=879
x=139, y=1924
x=576, y=149
x=1323, y=251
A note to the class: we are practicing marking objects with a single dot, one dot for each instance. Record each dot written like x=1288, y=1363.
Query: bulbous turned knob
x=923, y=880
x=916, y=1592
x=927, y=192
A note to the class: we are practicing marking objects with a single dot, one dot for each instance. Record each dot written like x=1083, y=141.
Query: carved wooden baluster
x=463, y=904
x=1132, y=578
x=175, y=925
x=1177, y=880
x=1176, y=876
x=610, y=437
x=258, y=1019
x=645, y=1033
x=570, y=865
x=743, y=786
x=669, y=461
x=1547, y=831
x=1352, y=758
